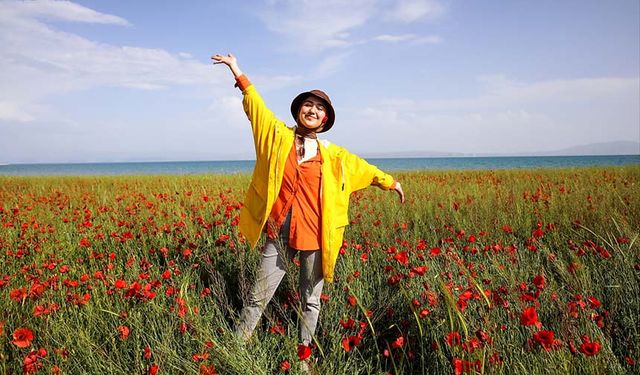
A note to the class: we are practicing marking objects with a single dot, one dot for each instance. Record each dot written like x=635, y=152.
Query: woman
x=299, y=196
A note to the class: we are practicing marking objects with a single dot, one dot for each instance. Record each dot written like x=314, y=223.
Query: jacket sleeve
x=362, y=174
x=264, y=123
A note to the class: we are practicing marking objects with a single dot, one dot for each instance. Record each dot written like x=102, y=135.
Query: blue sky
x=91, y=81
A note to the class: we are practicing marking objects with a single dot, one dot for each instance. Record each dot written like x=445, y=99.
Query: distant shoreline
x=368, y=157
x=246, y=166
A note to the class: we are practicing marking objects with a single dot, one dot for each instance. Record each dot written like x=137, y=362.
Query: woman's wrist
x=235, y=70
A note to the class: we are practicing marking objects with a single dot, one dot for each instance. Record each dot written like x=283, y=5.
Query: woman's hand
x=229, y=61
x=398, y=189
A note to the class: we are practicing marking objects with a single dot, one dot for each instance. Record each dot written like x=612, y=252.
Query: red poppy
x=538, y=233
x=453, y=339
x=539, y=281
x=420, y=270
x=304, y=352
x=198, y=357
x=147, y=353
x=594, y=302
x=350, y=342
x=545, y=338
x=285, y=366
x=207, y=370
x=31, y=363
x=22, y=337
x=530, y=317
x=120, y=284
x=352, y=300
x=348, y=324
x=398, y=342
x=462, y=366
x=402, y=257
x=589, y=348
x=124, y=332
x=153, y=369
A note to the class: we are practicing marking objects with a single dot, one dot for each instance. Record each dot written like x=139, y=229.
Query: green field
x=523, y=271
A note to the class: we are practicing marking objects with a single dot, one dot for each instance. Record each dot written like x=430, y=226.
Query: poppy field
x=499, y=272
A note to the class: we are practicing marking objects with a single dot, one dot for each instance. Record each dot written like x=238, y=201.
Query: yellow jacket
x=342, y=174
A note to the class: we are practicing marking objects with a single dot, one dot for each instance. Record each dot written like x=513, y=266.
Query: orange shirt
x=300, y=193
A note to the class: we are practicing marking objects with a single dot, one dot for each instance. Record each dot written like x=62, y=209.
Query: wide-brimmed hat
x=297, y=102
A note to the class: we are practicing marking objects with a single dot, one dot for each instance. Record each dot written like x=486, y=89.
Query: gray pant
x=276, y=257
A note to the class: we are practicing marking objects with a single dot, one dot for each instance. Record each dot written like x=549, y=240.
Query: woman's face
x=312, y=113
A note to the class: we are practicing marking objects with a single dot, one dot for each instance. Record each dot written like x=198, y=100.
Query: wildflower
x=352, y=300
x=546, y=339
x=630, y=361
x=538, y=233
x=539, y=281
x=207, y=370
x=594, y=302
x=147, y=352
x=349, y=324
x=530, y=317
x=285, y=366
x=22, y=337
x=304, y=352
x=402, y=257
x=453, y=339
x=124, y=332
x=31, y=363
x=120, y=284
x=589, y=348
x=398, y=342
x=350, y=342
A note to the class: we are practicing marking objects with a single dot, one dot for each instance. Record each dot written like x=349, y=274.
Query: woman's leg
x=273, y=267
x=311, y=283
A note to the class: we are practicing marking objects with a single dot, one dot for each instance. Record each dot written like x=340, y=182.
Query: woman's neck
x=305, y=132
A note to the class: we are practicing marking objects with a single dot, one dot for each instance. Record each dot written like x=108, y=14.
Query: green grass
x=56, y=231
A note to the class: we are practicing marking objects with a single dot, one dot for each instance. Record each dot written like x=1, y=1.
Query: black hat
x=297, y=102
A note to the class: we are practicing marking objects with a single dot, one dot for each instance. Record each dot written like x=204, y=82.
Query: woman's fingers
x=222, y=59
x=400, y=192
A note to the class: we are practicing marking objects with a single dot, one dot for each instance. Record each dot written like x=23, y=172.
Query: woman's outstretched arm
x=263, y=122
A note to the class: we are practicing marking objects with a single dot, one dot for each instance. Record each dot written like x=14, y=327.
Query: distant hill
x=602, y=148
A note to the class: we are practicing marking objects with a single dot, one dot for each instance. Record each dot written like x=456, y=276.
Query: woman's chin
x=313, y=127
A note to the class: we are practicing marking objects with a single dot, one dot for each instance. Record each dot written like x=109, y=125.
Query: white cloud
x=330, y=65
x=415, y=39
x=11, y=112
x=229, y=108
x=509, y=117
x=38, y=61
x=394, y=38
x=317, y=25
x=58, y=10
x=314, y=26
x=408, y=11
